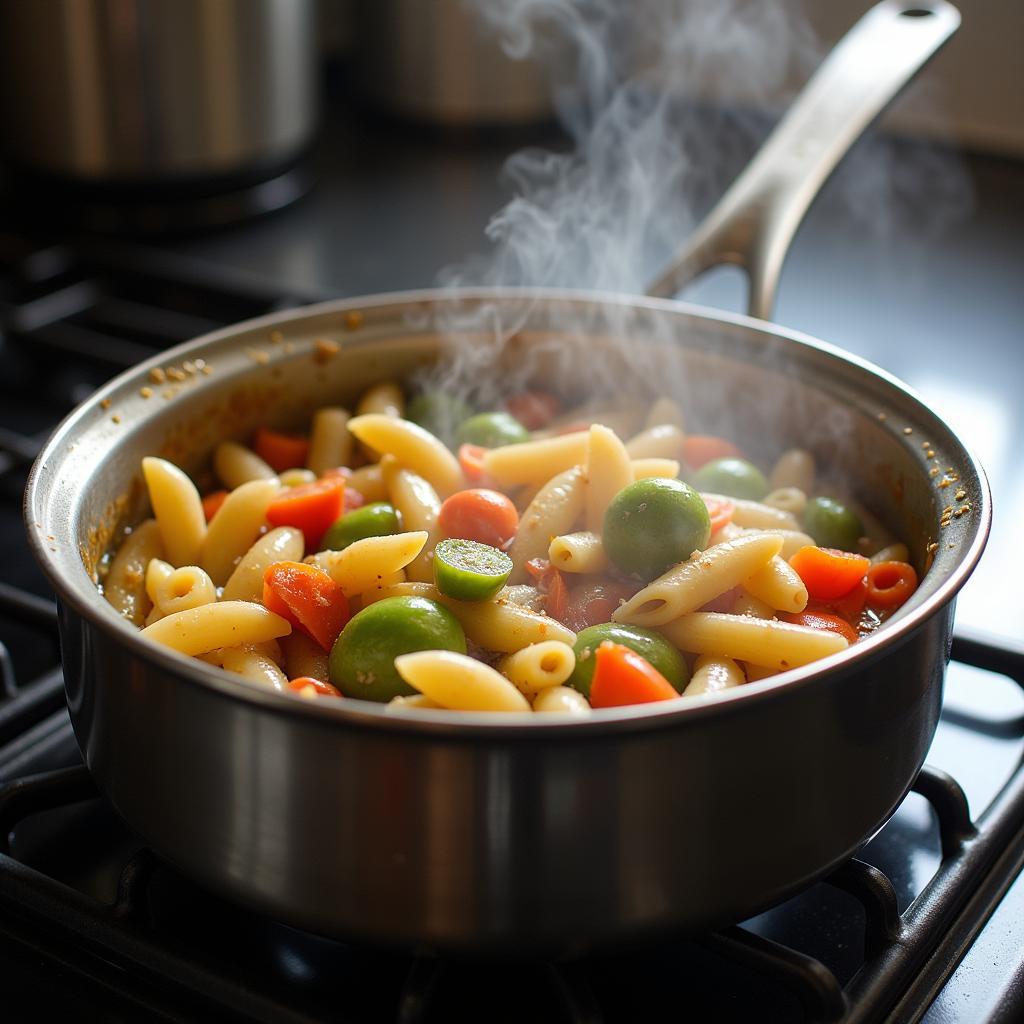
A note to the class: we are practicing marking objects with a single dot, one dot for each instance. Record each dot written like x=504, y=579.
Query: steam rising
x=644, y=159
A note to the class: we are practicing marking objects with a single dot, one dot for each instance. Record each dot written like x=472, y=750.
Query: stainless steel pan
x=494, y=833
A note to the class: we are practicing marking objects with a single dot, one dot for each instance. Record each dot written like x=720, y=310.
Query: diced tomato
x=319, y=687
x=621, y=677
x=471, y=459
x=551, y=585
x=828, y=573
x=312, y=508
x=701, y=448
x=280, y=451
x=308, y=598
x=212, y=503
x=592, y=603
x=534, y=409
x=721, y=511
x=821, y=620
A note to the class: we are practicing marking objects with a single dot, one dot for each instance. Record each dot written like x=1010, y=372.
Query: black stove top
x=926, y=924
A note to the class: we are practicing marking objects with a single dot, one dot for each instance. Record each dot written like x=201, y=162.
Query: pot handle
x=754, y=222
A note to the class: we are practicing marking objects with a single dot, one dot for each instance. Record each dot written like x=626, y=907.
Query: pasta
x=473, y=574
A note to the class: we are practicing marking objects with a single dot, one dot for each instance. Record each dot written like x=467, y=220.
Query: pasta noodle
x=552, y=513
x=608, y=470
x=534, y=461
x=364, y=563
x=538, y=666
x=285, y=544
x=236, y=465
x=663, y=441
x=330, y=443
x=178, y=510
x=581, y=552
x=561, y=700
x=124, y=586
x=712, y=675
x=419, y=506
x=459, y=682
x=223, y=624
x=778, y=586
x=236, y=527
x=700, y=579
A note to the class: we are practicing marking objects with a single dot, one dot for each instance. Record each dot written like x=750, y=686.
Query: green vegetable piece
x=734, y=477
x=654, y=524
x=363, y=657
x=378, y=519
x=470, y=571
x=492, y=430
x=832, y=524
x=438, y=412
x=646, y=642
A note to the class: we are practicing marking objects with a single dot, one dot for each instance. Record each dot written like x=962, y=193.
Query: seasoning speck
x=105, y=404
x=908, y=430
x=146, y=392
x=276, y=337
x=325, y=349
x=258, y=356
x=157, y=375
x=175, y=374
x=932, y=548
x=353, y=319
x=960, y=494
x=882, y=417
x=115, y=418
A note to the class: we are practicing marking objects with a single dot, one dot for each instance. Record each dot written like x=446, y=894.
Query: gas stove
x=926, y=923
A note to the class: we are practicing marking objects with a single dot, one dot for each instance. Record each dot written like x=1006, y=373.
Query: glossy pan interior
x=480, y=832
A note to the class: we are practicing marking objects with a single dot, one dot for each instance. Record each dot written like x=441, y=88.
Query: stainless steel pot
x=492, y=833
x=156, y=91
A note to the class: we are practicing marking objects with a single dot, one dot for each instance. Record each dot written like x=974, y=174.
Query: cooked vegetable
x=621, y=677
x=720, y=511
x=308, y=686
x=438, y=412
x=312, y=508
x=654, y=524
x=280, y=451
x=832, y=524
x=730, y=475
x=533, y=409
x=828, y=573
x=701, y=448
x=889, y=584
x=471, y=459
x=212, y=503
x=551, y=584
x=479, y=514
x=308, y=598
x=470, y=571
x=378, y=519
x=492, y=430
x=822, y=620
x=652, y=646
x=363, y=657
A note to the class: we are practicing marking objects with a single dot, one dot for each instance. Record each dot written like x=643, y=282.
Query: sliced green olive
x=734, y=477
x=470, y=571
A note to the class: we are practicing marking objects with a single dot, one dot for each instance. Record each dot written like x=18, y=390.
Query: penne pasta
x=413, y=700
x=713, y=674
x=302, y=656
x=415, y=449
x=581, y=552
x=793, y=468
x=365, y=563
x=176, y=590
x=792, y=540
x=773, y=644
x=538, y=666
x=285, y=544
x=747, y=604
x=458, y=682
x=891, y=553
x=296, y=477
x=419, y=506
x=178, y=510
x=644, y=469
x=533, y=461
x=663, y=441
x=756, y=515
x=235, y=465
x=385, y=399
x=124, y=585
x=251, y=664
x=330, y=443
x=607, y=471
x=552, y=513
x=778, y=585
x=369, y=482
x=665, y=411
x=700, y=579
x=561, y=700
x=222, y=624
x=787, y=499
x=236, y=527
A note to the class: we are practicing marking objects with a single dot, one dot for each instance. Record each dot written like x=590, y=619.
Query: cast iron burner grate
x=95, y=923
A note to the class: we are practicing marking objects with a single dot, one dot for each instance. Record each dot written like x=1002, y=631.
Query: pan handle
x=755, y=220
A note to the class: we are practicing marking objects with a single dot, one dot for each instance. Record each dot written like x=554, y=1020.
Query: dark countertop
x=917, y=268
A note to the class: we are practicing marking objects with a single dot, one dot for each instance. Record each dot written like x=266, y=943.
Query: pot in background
x=157, y=92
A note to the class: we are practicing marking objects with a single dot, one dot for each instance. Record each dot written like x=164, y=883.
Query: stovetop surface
x=938, y=302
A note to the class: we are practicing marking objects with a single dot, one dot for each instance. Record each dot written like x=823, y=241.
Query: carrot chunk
x=212, y=503
x=319, y=687
x=822, y=620
x=312, y=508
x=828, y=573
x=308, y=598
x=889, y=584
x=621, y=676
x=280, y=451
